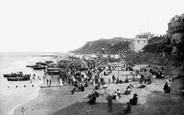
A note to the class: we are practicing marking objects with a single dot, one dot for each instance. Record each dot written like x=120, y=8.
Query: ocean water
x=10, y=96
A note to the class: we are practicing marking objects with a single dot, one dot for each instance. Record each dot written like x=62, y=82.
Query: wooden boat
x=48, y=62
x=16, y=79
x=53, y=70
x=13, y=74
x=23, y=78
x=9, y=75
x=38, y=67
x=30, y=65
x=41, y=63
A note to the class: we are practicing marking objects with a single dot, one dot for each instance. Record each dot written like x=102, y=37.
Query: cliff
x=111, y=46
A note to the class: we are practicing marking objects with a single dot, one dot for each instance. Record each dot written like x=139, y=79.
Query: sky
x=65, y=25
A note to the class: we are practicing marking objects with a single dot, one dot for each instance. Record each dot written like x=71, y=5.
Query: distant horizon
x=53, y=52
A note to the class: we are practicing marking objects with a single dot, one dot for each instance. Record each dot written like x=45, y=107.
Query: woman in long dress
x=61, y=82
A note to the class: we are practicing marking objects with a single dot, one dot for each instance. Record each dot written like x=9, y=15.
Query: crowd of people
x=81, y=73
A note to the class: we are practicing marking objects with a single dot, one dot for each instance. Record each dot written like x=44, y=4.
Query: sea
x=16, y=93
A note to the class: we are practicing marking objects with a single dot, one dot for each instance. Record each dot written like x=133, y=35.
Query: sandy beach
x=152, y=100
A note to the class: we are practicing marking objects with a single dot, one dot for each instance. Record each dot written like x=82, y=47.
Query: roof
x=140, y=39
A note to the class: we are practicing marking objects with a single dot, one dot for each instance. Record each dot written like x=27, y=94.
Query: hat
x=135, y=95
x=104, y=86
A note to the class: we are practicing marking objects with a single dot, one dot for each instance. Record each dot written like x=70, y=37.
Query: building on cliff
x=140, y=41
x=176, y=28
x=176, y=31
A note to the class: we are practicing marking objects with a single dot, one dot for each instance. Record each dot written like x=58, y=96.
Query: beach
x=152, y=100
x=16, y=93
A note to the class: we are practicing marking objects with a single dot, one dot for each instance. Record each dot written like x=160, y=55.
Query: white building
x=140, y=41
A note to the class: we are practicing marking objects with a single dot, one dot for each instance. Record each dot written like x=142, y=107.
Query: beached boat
x=41, y=63
x=49, y=62
x=53, y=70
x=38, y=67
x=16, y=79
x=22, y=78
x=30, y=65
x=9, y=75
x=13, y=74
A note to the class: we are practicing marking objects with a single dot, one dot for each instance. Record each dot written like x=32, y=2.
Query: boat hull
x=11, y=75
x=30, y=65
x=52, y=72
x=17, y=79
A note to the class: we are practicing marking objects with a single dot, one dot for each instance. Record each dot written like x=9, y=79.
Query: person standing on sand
x=31, y=79
x=109, y=99
x=23, y=111
x=113, y=78
x=61, y=82
x=49, y=80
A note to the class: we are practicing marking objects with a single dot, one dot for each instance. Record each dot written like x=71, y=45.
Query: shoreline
x=39, y=93
x=36, y=95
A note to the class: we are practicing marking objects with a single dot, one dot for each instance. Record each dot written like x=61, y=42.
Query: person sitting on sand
x=102, y=81
x=147, y=79
x=115, y=95
x=104, y=90
x=92, y=97
x=128, y=89
x=141, y=86
x=126, y=80
x=117, y=80
x=134, y=100
x=127, y=108
x=118, y=93
x=177, y=77
x=141, y=79
x=82, y=88
x=167, y=87
x=73, y=91
x=97, y=87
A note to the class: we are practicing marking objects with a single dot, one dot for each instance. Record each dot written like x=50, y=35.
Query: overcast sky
x=63, y=25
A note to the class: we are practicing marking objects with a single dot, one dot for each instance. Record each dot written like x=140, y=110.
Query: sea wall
x=169, y=61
